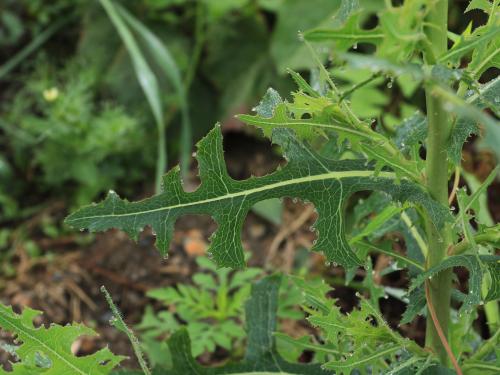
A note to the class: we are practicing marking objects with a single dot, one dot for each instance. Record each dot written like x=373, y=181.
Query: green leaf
x=51, y=347
x=483, y=5
x=348, y=35
x=261, y=357
x=411, y=132
x=295, y=16
x=476, y=272
x=323, y=115
x=308, y=176
x=477, y=200
x=396, y=37
x=469, y=115
x=147, y=80
x=271, y=210
x=493, y=269
x=161, y=54
x=467, y=44
x=416, y=303
x=360, y=340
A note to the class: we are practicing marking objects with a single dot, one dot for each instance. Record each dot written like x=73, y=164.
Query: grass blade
x=147, y=81
x=39, y=40
x=167, y=64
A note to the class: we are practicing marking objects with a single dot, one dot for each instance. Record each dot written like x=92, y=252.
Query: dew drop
x=355, y=46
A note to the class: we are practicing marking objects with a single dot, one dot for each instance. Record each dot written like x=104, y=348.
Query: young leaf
x=50, y=348
x=324, y=115
x=465, y=45
x=360, y=340
x=308, y=176
x=395, y=37
x=348, y=35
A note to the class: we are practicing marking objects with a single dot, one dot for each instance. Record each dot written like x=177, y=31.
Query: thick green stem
x=437, y=182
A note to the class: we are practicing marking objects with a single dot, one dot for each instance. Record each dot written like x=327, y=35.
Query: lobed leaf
x=49, y=349
x=311, y=116
x=476, y=273
x=307, y=176
x=488, y=96
x=360, y=340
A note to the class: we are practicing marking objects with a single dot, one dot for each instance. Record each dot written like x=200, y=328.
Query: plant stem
x=437, y=183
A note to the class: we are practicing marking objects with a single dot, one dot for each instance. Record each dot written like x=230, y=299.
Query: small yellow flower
x=51, y=94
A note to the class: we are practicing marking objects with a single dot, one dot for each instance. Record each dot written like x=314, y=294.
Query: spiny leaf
x=494, y=281
x=395, y=37
x=469, y=114
x=412, y=132
x=476, y=272
x=302, y=84
x=261, y=356
x=364, y=358
x=349, y=34
x=308, y=176
x=473, y=201
x=51, y=347
x=347, y=8
x=323, y=115
x=466, y=44
x=483, y=5
x=416, y=303
x=360, y=340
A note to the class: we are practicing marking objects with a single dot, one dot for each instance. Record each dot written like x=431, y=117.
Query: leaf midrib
x=325, y=176
x=15, y=328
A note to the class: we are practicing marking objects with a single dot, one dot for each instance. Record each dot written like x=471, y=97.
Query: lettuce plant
x=408, y=166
